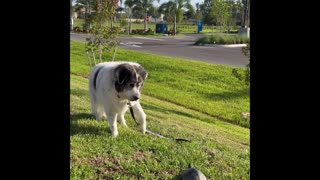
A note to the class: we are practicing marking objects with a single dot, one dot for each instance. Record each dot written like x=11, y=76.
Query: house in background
x=81, y=13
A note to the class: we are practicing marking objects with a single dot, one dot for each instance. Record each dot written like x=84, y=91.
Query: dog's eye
x=131, y=85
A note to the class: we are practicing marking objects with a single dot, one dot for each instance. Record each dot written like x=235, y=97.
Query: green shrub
x=212, y=40
x=244, y=76
x=222, y=39
x=202, y=40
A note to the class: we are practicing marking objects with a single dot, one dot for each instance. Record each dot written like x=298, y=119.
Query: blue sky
x=193, y=2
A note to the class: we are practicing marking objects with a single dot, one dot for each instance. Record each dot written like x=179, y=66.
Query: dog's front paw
x=142, y=129
x=115, y=133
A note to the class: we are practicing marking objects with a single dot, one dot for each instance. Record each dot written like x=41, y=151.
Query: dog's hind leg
x=99, y=114
x=94, y=105
x=122, y=120
x=96, y=109
x=112, y=121
x=141, y=116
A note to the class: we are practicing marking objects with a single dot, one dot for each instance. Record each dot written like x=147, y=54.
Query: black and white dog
x=112, y=85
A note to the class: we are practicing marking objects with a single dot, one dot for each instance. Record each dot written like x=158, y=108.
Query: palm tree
x=154, y=13
x=144, y=5
x=175, y=6
x=190, y=13
x=221, y=13
x=88, y=5
x=168, y=9
x=112, y=5
x=129, y=4
x=245, y=12
x=71, y=18
x=198, y=12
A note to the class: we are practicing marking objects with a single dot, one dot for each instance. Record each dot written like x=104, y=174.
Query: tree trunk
x=220, y=25
x=93, y=56
x=145, y=22
x=85, y=16
x=71, y=18
x=129, y=20
x=114, y=53
x=111, y=21
x=89, y=15
x=100, y=53
x=245, y=13
x=130, y=16
x=130, y=26
x=70, y=7
x=88, y=56
x=175, y=24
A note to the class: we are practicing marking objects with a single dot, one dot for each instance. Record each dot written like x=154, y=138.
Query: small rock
x=192, y=174
x=246, y=115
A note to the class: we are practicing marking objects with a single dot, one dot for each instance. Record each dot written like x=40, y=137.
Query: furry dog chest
x=111, y=86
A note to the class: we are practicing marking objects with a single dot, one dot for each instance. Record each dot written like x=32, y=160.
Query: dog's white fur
x=107, y=102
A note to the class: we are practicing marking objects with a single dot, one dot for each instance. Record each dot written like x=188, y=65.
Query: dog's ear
x=122, y=72
x=142, y=72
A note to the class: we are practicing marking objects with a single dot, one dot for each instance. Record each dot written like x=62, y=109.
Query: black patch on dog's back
x=95, y=78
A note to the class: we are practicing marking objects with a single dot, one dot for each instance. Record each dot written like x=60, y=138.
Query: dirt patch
x=105, y=167
x=139, y=155
x=84, y=75
x=101, y=160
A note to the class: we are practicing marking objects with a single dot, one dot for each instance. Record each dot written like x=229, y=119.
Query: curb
x=225, y=45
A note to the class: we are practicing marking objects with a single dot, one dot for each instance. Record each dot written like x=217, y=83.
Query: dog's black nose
x=135, y=98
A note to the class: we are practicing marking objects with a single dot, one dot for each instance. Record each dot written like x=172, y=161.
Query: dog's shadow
x=79, y=128
x=177, y=177
x=76, y=117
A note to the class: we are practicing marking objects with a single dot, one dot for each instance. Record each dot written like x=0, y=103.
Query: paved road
x=180, y=46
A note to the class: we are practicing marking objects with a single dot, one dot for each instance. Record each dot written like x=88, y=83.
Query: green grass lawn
x=182, y=99
x=208, y=88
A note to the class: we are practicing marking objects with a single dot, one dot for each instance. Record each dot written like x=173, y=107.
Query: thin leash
x=156, y=134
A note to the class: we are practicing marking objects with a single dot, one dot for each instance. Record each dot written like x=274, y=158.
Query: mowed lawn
x=182, y=99
x=208, y=88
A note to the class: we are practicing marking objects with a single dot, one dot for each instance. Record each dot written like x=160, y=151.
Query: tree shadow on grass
x=180, y=113
x=177, y=177
x=77, y=128
x=75, y=117
x=79, y=92
x=210, y=118
x=228, y=95
x=166, y=111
